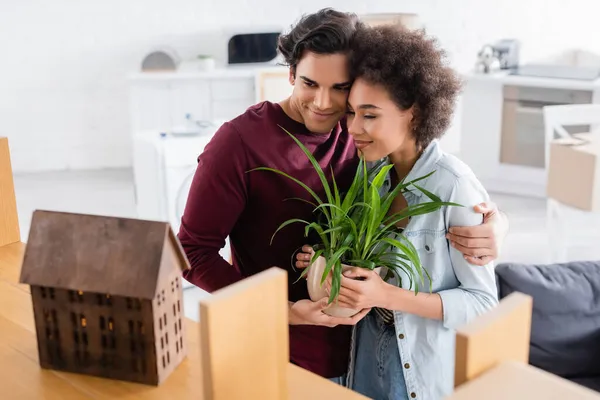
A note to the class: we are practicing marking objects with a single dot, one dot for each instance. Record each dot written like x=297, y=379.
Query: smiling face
x=377, y=125
x=321, y=84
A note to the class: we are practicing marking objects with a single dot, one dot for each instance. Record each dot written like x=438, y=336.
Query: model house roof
x=119, y=256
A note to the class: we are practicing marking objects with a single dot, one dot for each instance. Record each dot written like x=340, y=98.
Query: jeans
x=340, y=380
x=378, y=367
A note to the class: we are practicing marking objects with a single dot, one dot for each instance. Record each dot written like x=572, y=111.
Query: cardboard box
x=574, y=172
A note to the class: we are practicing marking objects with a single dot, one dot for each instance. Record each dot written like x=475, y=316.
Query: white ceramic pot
x=318, y=291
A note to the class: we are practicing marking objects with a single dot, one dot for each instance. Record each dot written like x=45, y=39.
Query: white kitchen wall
x=64, y=64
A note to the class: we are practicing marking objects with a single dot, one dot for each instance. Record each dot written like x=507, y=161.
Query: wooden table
x=517, y=381
x=22, y=378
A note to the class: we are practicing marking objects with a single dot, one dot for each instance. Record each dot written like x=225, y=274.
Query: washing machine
x=164, y=166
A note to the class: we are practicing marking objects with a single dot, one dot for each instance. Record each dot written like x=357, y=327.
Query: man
x=227, y=200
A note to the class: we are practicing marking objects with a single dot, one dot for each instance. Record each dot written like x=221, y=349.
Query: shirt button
x=407, y=365
x=413, y=395
x=401, y=336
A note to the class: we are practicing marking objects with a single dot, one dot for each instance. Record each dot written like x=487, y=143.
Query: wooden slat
x=517, y=381
x=499, y=335
x=11, y=257
x=9, y=221
x=245, y=335
x=303, y=384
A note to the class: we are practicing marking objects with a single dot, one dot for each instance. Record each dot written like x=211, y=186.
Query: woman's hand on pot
x=361, y=288
x=303, y=257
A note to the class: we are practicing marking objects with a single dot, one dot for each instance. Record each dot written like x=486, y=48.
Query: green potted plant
x=355, y=230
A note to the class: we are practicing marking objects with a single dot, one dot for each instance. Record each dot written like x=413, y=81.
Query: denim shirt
x=466, y=290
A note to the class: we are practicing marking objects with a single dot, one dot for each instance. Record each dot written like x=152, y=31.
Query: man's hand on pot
x=303, y=257
x=308, y=312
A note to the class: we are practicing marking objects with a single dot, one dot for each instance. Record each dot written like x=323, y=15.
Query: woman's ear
x=292, y=75
x=413, y=114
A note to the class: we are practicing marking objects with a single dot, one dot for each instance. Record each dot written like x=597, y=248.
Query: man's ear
x=292, y=76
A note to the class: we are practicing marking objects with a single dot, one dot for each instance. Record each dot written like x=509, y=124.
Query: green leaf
x=309, y=190
x=315, y=165
x=399, y=188
x=398, y=266
x=374, y=220
x=335, y=257
x=363, y=264
x=365, y=182
x=332, y=206
x=418, y=179
x=428, y=193
x=360, y=204
x=353, y=190
x=411, y=211
x=410, y=251
x=286, y=223
x=336, y=192
x=300, y=199
x=336, y=280
x=312, y=261
x=331, y=230
x=381, y=175
x=319, y=229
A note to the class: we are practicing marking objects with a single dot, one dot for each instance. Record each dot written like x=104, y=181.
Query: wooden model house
x=107, y=295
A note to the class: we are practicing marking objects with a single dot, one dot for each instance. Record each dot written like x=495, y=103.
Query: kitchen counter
x=503, y=78
x=231, y=72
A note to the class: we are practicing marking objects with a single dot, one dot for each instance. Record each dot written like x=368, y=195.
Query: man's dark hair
x=325, y=32
x=411, y=67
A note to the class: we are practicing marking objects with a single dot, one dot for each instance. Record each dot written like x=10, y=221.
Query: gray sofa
x=565, y=331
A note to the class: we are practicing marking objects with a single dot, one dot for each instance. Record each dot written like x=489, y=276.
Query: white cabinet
x=163, y=101
x=189, y=97
x=150, y=106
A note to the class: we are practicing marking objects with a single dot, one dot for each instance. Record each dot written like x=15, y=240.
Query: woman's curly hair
x=412, y=68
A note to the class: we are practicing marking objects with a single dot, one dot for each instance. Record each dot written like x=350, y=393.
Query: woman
x=401, y=102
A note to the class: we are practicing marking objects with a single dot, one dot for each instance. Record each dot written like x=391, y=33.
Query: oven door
x=523, y=136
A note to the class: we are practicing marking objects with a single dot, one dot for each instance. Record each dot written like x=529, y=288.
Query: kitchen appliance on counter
x=503, y=55
x=252, y=47
x=507, y=51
